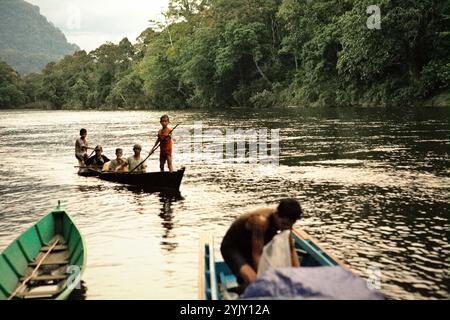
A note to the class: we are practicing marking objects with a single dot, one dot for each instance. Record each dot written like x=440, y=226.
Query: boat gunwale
x=204, y=241
x=176, y=176
x=67, y=291
x=303, y=235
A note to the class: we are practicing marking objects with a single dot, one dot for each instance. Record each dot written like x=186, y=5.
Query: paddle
x=91, y=153
x=151, y=152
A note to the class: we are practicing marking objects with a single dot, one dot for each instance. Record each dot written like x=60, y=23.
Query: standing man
x=166, y=143
x=81, y=147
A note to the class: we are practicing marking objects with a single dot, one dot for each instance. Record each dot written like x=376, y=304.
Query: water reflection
x=166, y=199
x=373, y=184
x=91, y=189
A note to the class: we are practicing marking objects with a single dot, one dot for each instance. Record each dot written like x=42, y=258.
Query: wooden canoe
x=216, y=278
x=88, y=172
x=45, y=262
x=151, y=181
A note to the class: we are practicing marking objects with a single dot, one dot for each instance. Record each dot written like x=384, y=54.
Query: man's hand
x=247, y=273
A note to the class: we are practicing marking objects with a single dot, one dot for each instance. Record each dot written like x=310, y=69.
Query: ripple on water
x=373, y=186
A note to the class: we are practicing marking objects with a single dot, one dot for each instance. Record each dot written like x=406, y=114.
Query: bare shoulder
x=258, y=220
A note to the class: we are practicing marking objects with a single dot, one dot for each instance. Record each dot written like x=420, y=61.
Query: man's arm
x=156, y=142
x=89, y=161
x=247, y=273
x=121, y=167
x=258, y=226
x=294, y=256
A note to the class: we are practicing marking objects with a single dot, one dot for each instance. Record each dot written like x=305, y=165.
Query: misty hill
x=27, y=40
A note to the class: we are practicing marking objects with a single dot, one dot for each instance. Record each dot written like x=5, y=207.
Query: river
x=373, y=184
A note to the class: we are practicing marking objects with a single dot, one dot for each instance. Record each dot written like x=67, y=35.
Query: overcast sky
x=90, y=23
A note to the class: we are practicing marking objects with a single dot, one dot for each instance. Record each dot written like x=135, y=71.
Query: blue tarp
x=311, y=283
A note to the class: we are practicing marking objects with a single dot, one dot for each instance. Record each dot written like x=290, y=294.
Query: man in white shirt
x=135, y=161
x=81, y=147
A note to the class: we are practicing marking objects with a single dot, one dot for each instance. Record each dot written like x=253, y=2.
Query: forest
x=255, y=53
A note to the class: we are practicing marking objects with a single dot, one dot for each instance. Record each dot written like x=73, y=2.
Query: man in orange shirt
x=166, y=143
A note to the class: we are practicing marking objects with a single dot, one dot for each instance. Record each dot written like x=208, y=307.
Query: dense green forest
x=260, y=53
x=27, y=40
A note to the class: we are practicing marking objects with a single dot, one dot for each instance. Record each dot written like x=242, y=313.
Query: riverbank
x=441, y=100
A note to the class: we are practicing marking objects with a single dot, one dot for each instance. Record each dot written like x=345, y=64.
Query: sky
x=90, y=23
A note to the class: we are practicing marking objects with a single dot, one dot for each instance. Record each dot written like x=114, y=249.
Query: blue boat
x=217, y=282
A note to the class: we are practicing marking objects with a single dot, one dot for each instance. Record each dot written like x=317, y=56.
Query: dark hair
x=83, y=131
x=119, y=150
x=164, y=117
x=289, y=208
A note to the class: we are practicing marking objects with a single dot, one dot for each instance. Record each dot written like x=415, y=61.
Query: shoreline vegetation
x=438, y=101
x=258, y=53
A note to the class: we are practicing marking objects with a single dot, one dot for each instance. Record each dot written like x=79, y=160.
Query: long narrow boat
x=151, y=181
x=45, y=262
x=216, y=280
x=88, y=172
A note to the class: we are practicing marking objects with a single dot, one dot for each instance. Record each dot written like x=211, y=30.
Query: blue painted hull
x=216, y=281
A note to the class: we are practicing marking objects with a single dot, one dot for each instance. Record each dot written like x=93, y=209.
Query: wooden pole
x=34, y=271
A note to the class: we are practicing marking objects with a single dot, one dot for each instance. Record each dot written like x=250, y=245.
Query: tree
x=261, y=53
x=10, y=93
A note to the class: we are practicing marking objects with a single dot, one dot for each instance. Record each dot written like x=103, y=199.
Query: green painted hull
x=49, y=257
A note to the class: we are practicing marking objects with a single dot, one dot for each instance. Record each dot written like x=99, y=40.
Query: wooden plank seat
x=49, y=263
x=61, y=247
x=42, y=294
x=46, y=278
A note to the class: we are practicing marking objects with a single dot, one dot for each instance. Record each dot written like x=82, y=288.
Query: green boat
x=45, y=262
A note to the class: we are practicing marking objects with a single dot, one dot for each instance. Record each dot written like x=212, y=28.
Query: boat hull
x=151, y=181
x=88, y=172
x=216, y=278
x=45, y=262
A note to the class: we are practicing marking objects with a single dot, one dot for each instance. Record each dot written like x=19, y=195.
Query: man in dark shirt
x=98, y=159
x=242, y=245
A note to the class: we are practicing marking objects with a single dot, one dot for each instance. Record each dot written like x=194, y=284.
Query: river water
x=373, y=183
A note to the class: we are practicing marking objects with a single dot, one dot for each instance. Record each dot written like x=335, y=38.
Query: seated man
x=98, y=159
x=136, y=163
x=116, y=165
x=243, y=244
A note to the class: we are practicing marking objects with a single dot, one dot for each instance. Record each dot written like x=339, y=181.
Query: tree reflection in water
x=166, y=214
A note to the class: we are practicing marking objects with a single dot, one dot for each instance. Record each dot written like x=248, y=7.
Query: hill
x=28, y=41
